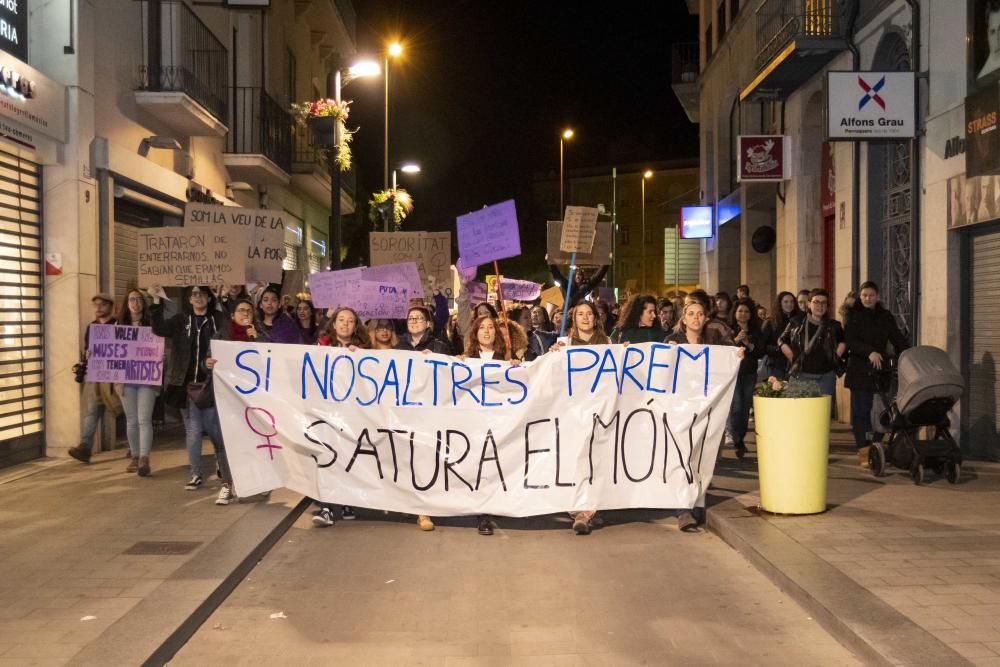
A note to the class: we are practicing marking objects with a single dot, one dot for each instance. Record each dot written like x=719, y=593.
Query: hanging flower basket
x=324, y=128
x=323, y=117
x=398, y=203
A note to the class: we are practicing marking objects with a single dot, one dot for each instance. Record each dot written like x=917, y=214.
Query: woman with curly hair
x=785, y=309
x=638, y=322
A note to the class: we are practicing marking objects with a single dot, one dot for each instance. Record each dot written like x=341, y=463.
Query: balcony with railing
x=795, y=39
x=684, y=76
x=259, y=143
x=311, y=171
x=183, y=73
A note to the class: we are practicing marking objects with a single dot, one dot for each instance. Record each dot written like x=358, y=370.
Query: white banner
x=602, y=427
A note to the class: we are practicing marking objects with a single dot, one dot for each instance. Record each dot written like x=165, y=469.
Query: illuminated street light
x=566, y=135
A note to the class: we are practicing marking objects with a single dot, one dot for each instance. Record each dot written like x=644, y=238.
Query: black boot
x=81, y=453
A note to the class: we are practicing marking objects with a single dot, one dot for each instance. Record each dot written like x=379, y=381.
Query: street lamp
x=642, y=243
x=394, y=51
x=566, y=135
x=408, y=168
x=334, y=82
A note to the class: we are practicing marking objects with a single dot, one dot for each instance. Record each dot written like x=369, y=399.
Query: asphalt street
x=379, y=591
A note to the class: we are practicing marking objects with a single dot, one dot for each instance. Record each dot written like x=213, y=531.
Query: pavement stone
x=64, y=529
x=929, y=554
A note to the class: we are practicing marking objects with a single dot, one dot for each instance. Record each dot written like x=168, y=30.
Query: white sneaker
x=729, y=440
x=225, y=495
x=323, y=518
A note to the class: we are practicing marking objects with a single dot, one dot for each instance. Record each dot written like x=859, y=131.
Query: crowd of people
x=798, y=338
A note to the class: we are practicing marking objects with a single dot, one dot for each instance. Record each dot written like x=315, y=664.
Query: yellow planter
x=793, y=442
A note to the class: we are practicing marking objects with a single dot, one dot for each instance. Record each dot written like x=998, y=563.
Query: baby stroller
x=929, y=385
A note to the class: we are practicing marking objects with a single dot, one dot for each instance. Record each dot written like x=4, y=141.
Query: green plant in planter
x=303, y=111
x=402, y=206
x=794, y=388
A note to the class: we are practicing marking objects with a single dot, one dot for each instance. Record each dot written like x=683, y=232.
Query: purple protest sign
x=489, y=234
x=519, y=290
x=330, y=289
x=383, y=301
x=124, y=355
x=477, y=292
x=402, y=273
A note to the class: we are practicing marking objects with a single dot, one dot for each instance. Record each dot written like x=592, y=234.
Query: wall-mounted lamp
x=156, y=141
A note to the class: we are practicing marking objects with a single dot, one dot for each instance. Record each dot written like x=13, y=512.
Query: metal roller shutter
x=982, y=401
x=126, y=264
x=22, y=373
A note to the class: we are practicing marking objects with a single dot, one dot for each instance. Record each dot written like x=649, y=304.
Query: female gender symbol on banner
x=268, y=445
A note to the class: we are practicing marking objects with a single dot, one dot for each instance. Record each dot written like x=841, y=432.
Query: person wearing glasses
x=814, y=344
x=382, y=333
x=419, y=337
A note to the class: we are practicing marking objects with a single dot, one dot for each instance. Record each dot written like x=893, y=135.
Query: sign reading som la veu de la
x=587, y=427
x=863, y=106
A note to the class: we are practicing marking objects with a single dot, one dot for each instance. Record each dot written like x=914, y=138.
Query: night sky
x=485, y=87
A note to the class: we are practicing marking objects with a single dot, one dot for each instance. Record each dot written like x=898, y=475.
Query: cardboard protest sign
x=329, y=288
x=554, y=296
x=430, y=251
x=184, y=256
x=598, y=256
x=489, y=234
x=584, y=428
x=265, y=235
x=578, y=229
x=125, y=355
x=403, y=273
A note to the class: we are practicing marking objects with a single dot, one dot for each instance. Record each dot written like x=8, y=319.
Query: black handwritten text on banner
x=597, y=427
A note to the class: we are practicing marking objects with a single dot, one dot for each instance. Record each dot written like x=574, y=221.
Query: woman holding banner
x=585, y=329
x=485, y=342
x=693, y=330
x=344, y=330
x=138, y=399
x=419, y=337
x=187, y=376
x=274, y=321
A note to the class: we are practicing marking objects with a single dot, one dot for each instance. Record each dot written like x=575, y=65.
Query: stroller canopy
x=924, y=373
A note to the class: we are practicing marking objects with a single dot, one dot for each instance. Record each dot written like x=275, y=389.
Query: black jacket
x=429, y=342
x=581, y=290
x=181, y=342
x=824, y=348
x=869, y=330
x=540, y=341
x=748, y=366
x=771, y=332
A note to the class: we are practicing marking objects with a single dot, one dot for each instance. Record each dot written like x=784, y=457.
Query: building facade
x=905, y=213
x=141, y=106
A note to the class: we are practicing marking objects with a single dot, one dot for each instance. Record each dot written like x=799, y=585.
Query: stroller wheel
x=876, y=459
x=953, y=472
x=917, y=473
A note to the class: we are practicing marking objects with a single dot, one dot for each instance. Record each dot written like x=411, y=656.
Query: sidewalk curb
x=176, y=609
x=855, y=617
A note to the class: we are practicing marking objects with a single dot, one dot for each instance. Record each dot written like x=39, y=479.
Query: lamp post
x=395, y=50
x=642, y=242
x=408, y=168
x=334, y=83
x=565, y=136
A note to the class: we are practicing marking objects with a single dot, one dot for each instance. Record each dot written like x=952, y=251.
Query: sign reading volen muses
x=862, y=106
